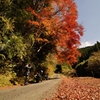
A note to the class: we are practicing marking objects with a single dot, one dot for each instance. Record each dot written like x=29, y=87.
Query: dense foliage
x=87, y=51
x=89, y=63
x=94, y=64
x=32, y=29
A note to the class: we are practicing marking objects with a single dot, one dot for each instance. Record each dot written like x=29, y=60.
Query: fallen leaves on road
x=78, y=88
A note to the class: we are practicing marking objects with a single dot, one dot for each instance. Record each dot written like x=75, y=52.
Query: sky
x=89, y=17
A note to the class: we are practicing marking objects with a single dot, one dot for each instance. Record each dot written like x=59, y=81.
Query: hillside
x=89, y=64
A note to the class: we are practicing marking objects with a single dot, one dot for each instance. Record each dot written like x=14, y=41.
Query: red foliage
x=70, y=32
x=60, y=20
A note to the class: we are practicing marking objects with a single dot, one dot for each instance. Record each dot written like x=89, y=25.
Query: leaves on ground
x=78, y=88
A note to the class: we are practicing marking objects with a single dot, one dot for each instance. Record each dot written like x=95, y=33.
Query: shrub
x=5, y=80
x=71, y=73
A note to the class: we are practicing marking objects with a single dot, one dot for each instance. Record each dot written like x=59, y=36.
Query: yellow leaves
x=14, y=37
x=8, y=23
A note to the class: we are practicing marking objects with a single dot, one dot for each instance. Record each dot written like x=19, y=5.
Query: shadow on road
x=55, y=76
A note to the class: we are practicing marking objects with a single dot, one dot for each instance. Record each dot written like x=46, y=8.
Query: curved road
x=38, y=91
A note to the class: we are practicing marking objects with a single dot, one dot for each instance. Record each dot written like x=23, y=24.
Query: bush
x=5, y=80
x=94, y=64
x=71, y=73
x=17, y=80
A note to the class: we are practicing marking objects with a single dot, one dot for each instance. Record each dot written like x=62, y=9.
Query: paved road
x=37, y=91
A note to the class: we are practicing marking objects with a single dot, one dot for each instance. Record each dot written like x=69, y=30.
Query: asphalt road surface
x=35, y=91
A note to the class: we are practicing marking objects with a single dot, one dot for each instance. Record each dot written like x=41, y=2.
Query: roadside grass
x=68, y=71
x=5, y=80
x=10, y=79
x=51, y=71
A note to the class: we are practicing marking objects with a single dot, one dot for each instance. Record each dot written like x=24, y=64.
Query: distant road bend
x=38, y=91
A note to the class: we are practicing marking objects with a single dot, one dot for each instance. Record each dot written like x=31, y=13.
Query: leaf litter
x=78, y=88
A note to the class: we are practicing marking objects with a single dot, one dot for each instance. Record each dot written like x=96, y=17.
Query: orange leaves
x=69, y=32
x=80, y=30
x=49, y=25
x=33, y=22
x=58, y=19
x=83, y=88
x=33, y=12
x=29, y=9
x=41, y=40
x=47, y=12
x=68, y=55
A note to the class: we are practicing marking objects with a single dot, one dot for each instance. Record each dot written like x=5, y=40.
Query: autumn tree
x=39, y=27
x=55, y=23
x=32, y=29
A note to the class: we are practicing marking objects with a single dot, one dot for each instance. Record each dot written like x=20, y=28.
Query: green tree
x=12, y=46
x=94, y=64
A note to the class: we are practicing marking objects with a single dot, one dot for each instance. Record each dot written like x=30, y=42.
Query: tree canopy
x=31, y=29
x=56, y=23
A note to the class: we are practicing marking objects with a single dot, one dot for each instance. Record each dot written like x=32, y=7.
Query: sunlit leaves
x=58, y=18
x=70, y=31
x=15, y=47
x=6, y=25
